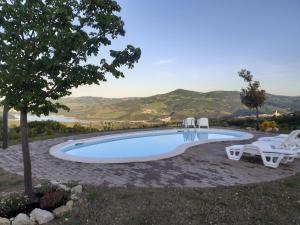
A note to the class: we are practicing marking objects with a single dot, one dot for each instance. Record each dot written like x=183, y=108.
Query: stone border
x=56, y=150
x=39, y=216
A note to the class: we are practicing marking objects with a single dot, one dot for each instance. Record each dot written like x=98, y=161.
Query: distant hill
x=176, y=104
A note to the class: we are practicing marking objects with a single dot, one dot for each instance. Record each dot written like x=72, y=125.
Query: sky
x=201, y=45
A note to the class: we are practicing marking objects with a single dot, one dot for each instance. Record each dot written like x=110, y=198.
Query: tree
x=5, y=128
x=45, y=47
x=252, y=96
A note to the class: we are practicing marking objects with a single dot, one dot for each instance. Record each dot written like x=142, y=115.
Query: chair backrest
x=203, y=122
x=292, y=139
x=190, y=121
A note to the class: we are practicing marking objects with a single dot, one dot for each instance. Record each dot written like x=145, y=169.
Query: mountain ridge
x=176, y=90
x=177, y=104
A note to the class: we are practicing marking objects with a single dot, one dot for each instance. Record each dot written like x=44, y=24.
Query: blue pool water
x=142, y=146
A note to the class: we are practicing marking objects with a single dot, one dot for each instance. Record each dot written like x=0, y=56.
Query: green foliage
x=252, y=96
x=286, y=122
x=44, y=52
x=48, y=196
x=44, y=188
x=46, y=128
x=45, y=45
x=233, y=122
x=11, y=203
x=289, y=121
x=107, y=126
x=51, y=196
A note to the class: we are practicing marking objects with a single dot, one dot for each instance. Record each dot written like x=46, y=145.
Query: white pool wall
x=57, y=150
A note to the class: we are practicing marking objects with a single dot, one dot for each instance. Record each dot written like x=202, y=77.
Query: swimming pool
x=140, y=146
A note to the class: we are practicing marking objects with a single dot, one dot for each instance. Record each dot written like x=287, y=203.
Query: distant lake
x=58, y=118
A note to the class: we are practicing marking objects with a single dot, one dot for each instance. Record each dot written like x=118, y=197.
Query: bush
x=44, y=189
x=51, y=196
x=78, y=128
x=11, y=203
x=268, y=126
x=47, y=196
x=45, y=128
x=54, y=199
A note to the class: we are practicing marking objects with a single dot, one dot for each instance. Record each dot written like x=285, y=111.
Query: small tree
x=252, y=96
x=44, y=51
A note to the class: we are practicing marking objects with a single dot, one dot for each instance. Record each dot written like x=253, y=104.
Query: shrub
x=44, y=189
x=268, y=126
x=43, y=128
x=50, y=196
x=79, y=128
x=11, y=203
x=54, y=199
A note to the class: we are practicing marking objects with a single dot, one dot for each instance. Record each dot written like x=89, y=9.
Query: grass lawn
x=275, y=202
x=10, y=182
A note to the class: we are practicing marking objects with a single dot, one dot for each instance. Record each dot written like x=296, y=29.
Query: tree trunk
x=26, y=156
x=5, y=128
x=257, y=119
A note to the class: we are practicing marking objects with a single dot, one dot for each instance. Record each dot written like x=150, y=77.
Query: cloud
x=165, y=61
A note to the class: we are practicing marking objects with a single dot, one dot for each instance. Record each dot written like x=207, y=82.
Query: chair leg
x=271, y=159
x=291, y=159
x=234, y=154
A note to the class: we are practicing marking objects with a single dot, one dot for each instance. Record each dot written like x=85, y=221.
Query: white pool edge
x=57, y=152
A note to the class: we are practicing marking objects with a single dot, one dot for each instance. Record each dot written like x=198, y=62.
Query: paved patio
x=200, y=166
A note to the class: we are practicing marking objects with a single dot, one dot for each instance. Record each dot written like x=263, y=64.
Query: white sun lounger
x=189, y=122
x=271, y=155
x=284, y=141
x=291, y=139
x=203, y=123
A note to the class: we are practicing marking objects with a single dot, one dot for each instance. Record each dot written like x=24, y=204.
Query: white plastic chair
x=189, y=122
x=203, y=123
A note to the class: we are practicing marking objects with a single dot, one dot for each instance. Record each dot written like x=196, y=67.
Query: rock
x=38, y=186
x=70, y=204
x=4, y=221
x=76, y=190
x=41, y=216
x=61, y=211
x=276, y=129
x=74, y=197
x=22, y=219
x=64, y=187
x=54, y=182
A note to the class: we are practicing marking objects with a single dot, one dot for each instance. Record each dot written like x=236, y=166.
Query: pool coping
x=56, y=152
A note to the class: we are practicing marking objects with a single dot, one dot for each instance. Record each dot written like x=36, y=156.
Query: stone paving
x=200, y=166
